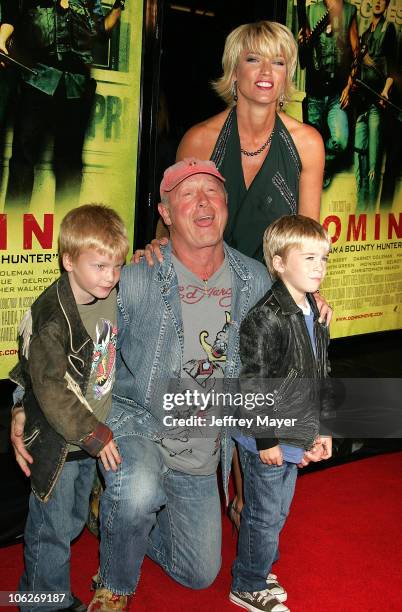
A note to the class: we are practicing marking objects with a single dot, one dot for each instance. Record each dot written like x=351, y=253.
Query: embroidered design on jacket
x=25, y=331
x=75, y=388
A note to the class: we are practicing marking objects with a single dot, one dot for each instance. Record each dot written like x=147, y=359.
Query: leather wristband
x=119, y=4
x=97, y=439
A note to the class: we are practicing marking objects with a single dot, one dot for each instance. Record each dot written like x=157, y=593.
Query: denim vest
x=332, y=55
x=51, y=31
x=151, y=342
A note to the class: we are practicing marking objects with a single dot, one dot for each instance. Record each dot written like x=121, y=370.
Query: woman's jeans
x=51, y=527
x=68, y=119
x=268, y=493
x=174, y=518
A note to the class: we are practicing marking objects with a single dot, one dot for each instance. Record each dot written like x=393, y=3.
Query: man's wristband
x=119, y=4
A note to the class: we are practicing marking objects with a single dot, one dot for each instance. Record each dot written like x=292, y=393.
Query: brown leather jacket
x=54, y=368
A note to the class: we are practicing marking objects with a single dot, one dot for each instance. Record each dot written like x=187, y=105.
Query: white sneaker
x=259, y=601
x=275, y=588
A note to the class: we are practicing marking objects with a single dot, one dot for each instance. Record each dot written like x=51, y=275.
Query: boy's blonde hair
x=290, y=232
x=93, y=226
x=267, y=38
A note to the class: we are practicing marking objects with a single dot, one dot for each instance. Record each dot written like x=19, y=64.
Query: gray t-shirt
x=100, y=320
x=206, y=315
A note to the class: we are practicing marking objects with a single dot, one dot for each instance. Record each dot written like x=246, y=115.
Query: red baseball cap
x=177, y=173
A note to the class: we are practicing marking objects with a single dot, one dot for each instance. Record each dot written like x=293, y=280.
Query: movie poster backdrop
x=28, y=234
x=362, y=195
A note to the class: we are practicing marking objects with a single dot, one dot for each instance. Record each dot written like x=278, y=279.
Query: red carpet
x=341, y=549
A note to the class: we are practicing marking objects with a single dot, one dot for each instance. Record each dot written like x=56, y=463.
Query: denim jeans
x=8, y=83
x=146, y=508
x=268, y=493
x=51, y=527
x=326, y=115
x=368, y=157
x=67, y=119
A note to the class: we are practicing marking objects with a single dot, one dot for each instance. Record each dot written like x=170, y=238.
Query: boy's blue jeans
x=51, y=527
x=146, y=508
x=268, y=493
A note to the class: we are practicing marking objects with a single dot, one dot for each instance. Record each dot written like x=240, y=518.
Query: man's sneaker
x=275, y=588
x=259, y=601
x=107, y=601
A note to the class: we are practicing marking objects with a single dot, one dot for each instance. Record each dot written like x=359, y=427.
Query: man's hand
x=110, y=456
x=324, y=308
x=113, y=16
x=302, y=36
x=383, y=102
x=344, y=101
x=272, y=456
x=17, y=440
x=6, y=31
x=151, y=250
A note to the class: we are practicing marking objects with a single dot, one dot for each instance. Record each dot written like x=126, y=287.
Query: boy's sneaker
x=275, y=588
x=259, y=601
x=107, y=601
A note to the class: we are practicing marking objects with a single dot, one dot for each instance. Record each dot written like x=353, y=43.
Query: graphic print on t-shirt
x=104, y=358
x=206, y=314
x=203, y=370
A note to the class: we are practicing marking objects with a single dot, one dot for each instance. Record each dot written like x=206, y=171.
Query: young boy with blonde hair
x=67, y=343
x=281, y=337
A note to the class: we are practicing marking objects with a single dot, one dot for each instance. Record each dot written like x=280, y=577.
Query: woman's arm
x=195, y=143
x=310, y=146
x=199, y=141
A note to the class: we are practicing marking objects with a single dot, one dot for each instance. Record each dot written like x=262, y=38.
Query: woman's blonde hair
x=267, y=38
x=288, y=232
x=93, y=226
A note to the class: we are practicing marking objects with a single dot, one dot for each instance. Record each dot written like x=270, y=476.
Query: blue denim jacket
x=150, y=345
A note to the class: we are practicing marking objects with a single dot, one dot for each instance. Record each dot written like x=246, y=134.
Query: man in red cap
x=178, y=329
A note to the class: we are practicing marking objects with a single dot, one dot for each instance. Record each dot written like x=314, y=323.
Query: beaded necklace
x=261, y=149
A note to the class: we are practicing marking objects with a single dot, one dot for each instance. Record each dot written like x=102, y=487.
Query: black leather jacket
x=275, y=344
x=54, y=370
